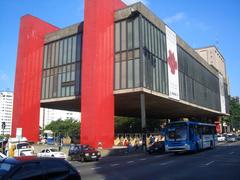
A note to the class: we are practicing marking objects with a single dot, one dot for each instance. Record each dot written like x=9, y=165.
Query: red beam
x=27, y=87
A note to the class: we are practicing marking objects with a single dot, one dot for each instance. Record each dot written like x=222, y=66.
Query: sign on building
x=222, y=94
x=172, y=59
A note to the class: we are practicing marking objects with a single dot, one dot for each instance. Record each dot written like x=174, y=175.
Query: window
x=30, y=171
x=74, y=40
x=136, y=33
x=130, y=74
x=55, y=169
x=123, y=77
x=69, y=52
x=130, y=35
x=117, y=37
x=123, y=36
x=117, y=75
x=137, y=73
x=65, y=51
x=59, y=77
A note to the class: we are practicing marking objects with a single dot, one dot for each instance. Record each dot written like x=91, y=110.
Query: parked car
x=32, y=167
x=231, y=138
x=51, y=152
x=20, y=147
x=156, y=147
x=221, y=138
x=83, y=153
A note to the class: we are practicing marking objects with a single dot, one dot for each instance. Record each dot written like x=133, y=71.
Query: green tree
x=234, y=118
x=133, y=125
x=68, y=127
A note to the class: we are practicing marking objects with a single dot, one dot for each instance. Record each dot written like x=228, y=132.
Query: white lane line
x=94, y=168
x=129, y=162
x=166, y=163
x=231, y=152
x=207, y=164
x=113, y=165
x=143, y=159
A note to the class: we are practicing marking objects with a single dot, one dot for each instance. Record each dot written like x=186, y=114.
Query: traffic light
x=3, y=125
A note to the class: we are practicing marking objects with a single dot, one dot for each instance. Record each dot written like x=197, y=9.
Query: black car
x=32, y=168
x=156, y=147
x=83, y=153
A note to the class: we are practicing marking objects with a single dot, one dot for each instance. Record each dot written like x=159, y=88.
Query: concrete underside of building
x=87, y=81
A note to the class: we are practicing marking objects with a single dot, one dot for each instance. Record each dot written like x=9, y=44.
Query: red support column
x=27, y=87
x=97, y=100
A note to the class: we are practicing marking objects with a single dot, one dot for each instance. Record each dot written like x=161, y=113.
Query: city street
x=223, y=162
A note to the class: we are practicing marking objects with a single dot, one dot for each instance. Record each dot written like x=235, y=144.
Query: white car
x=221, y=138
x=51, y=152
x=2, y=156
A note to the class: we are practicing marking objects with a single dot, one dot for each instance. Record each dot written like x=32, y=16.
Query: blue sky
x=199, y=23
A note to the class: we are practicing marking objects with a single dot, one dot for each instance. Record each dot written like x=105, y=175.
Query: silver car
x=231, y=138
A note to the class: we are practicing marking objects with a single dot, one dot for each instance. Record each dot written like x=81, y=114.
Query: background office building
x=6, y=107
x=49, y=115
x=131, y=64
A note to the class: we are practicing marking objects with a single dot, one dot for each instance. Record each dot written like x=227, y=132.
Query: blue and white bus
x=189, y=136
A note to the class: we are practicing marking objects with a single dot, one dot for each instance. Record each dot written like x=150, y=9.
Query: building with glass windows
x=6, y=107
x=129, y=63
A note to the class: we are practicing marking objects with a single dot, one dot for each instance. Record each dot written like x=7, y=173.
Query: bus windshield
x=177, y=133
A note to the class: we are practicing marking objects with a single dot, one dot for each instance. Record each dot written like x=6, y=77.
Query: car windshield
x=177, y=133
x=23, y=145
x=53, y=150
x=87, y=148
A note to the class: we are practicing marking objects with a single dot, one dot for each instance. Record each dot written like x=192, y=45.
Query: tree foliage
x=127, y=125
x=234, y=118
x=133, y=125
x=68, y=127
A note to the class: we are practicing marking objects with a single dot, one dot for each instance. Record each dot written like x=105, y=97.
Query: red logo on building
x=172, y=62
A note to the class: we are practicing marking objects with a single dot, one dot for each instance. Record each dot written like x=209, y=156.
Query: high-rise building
x=213, y=56
x=49, y=115
x=6, y=106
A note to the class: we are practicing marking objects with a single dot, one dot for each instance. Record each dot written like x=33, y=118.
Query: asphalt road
x=220, y=163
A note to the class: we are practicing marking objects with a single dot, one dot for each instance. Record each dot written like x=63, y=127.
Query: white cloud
x=175, y=18
x=3, y=76
x=129, y=2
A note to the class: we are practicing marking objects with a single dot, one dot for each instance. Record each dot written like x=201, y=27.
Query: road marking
x=113, y=165
x=207, y=164
x=231, y=152
x=129, y=162
x=143, y=159
x=94, y=168
x=166, y=163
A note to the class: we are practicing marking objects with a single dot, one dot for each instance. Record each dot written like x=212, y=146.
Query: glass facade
x=141, y=61
x=140, y=55
x=127, y=54
x=62, y=68
x=197, y=84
